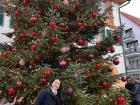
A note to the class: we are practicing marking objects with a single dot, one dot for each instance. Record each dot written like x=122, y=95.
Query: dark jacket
x=134, y=90
x=46, y=97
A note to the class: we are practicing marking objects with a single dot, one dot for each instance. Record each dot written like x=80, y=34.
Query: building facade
x=131, y=41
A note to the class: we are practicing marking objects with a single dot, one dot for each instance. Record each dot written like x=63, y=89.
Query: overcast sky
x=133, y=8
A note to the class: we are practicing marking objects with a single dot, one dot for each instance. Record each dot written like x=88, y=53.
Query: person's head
x=130, y=80
x=56, y=84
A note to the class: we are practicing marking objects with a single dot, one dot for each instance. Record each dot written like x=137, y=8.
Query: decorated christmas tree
x=56, y=39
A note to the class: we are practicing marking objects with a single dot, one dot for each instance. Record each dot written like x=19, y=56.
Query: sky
x=133, y=8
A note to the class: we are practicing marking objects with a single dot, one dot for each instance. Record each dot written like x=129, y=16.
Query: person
x=134, y=90
x=50, y=95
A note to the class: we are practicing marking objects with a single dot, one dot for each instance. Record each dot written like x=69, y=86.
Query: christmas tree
x=55, y=39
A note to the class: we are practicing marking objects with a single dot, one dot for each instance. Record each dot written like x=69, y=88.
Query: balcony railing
x=132, y=50
x=134, y=68
x=130, y=35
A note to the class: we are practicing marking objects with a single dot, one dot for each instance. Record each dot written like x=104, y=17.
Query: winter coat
x=134, y=90
x=46, y=97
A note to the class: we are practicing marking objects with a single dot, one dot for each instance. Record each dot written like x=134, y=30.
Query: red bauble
x=62, y=24
x=69, y=91
x=95, y=24
x=98, y=43
x=47, y=73
x=19, y=84
x=85, y=24
x=94, y=14
x=112, y=49
x=32, y=62
x=33, y=34
x=71, y=10
x=17, y=13
x=34, y=47
x=91, y=56
x=42, y=81
x=106, y=85
x=65, y=49
x=21, y=35
x=79, y=24
x=98, y=66
x=62, y=63
x=56, y=6
x=110, y=69
x=69, y=59
x=53, y=39
x=33, y=19
x=14, y=49
x=26, y=2
x=11, y=90
x=124, y=78
x=52, y=24
x=81, y=42
x=117, y=38
x=116, y=61
x=4, y=54
x=79, y=60
x=37, y=57
x=21, y=62
x=121, y=100
x=76, y=33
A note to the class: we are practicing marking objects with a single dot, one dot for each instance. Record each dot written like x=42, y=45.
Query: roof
x=120, y=2
x=132, y=18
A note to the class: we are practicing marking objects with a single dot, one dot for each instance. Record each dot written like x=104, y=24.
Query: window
x=129, y=33
x=1, y=18
x=11, y=22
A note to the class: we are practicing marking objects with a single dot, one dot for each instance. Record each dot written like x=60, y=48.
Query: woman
x=50, y=95
x=134, y=90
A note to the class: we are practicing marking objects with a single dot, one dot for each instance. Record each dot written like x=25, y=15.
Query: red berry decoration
x=62, y=63
x=11, y=90
x=81, y=42
x=34, y=47
x=33, y=34
x=116, y=61
x=53, y=39
x=52, y=24
x=117, y=38
x=79, y=60
x=98, y=66
x=121, y=100
x=47, y=73
x=79, y=24
x=33, y=20
x=94, y=14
